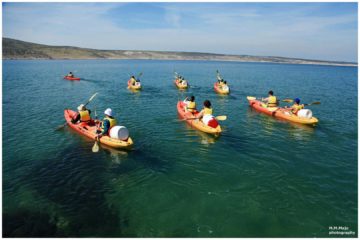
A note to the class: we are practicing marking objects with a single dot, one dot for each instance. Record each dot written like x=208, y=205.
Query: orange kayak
x=196, y=123
x=281, y=113
x=221, y=90
x=89, y=130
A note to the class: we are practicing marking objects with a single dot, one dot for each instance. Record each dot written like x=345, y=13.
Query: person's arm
x=106, y=124
x=76, y=119
x=201, y=114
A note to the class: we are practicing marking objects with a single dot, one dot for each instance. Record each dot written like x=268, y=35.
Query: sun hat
x=108, y=112
x=81, y=107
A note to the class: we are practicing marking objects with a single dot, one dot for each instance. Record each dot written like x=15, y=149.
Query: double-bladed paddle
x=90, y=99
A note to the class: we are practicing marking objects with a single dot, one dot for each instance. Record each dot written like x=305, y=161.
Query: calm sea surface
x=261, y=178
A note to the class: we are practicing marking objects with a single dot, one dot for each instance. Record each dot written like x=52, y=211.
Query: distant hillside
x=16, y=49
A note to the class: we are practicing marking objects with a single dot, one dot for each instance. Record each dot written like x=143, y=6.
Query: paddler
x=83, y=115
x=190, y=104
x=70, y=74
x=294, y=109
x=108, y=122
x=132, y=80
x=206, y=115
x=271, y=100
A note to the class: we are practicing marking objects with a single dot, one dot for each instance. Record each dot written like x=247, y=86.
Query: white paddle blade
x=95, y=148
x=221, y=118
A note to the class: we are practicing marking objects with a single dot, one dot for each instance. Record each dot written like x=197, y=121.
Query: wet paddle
x=220, y=118
x=313, y=103
x=95, y=148
x=306, y=104
x=62, y=126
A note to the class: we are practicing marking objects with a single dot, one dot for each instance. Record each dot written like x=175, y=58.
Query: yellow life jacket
x=84, y=116
x=296, y=108
x=111, y=120
x=132, y=81
x=272, y=101
x=191, y=106
x=208, y=111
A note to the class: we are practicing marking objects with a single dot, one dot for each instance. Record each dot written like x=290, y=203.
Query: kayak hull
x=196, y=123
x=133, y=87
x=220, y=90
x=179, y=85
x=72, y=78
x=280, y=113
x=90, y=132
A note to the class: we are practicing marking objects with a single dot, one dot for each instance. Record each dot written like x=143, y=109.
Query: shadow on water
x=25, y=223
x=77, y=185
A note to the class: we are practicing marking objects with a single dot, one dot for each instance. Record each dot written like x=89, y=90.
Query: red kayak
x=71, y=78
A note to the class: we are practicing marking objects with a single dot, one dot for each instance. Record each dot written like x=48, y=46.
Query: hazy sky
x=326, y=31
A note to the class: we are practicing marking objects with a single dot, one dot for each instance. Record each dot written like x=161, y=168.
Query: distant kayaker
x=83, y=115
x=190, y=104
x=206, y=115
x=132, y=80
x=295, y=107
x=271, y=100
x=108, y=122
x=70, y=74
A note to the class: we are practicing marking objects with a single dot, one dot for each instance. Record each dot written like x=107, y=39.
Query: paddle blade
x=92, y=97
x=288, y=100
x=221, y=118
x=95, y=148
x=250, y=98
x=313, y=103
x=61, y=127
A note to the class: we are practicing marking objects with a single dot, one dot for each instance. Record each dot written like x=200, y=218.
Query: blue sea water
x=261, y=178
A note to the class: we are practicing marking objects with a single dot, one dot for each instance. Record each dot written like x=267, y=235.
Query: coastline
x=195, y=59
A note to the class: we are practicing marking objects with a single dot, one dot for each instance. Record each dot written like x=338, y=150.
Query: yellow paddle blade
x=287, y=100
x=95, y=148
x=221, y=118
x=251, y=98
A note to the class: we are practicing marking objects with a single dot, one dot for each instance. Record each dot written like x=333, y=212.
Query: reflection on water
x=117, y=155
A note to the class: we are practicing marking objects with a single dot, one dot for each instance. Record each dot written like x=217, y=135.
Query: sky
x=323, y=31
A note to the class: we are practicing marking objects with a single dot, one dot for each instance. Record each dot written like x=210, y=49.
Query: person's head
x=207, y=103
x=297, y=100
x=81, y=107
x=192, y=98
x=225, y=82
x=132, y=76
x=222, y=80
x=271, y=93
x=70, y=72
x=108, y=112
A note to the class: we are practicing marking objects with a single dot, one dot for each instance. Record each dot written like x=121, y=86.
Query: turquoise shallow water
x=261, y=178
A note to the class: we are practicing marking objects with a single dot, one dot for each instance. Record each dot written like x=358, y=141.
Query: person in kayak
x=271, y=100
x=70, y=74
x=206, y=115
x=108, y=122
x=190, y=104
x=132, y=80
x=294, y=109
x=83, y=115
